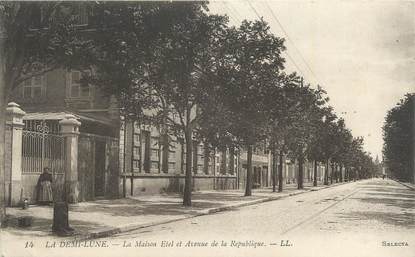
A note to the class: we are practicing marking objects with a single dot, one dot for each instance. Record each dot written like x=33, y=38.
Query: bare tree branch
x=34, y=74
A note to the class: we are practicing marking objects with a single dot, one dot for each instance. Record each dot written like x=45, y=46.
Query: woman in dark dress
x=44, y=187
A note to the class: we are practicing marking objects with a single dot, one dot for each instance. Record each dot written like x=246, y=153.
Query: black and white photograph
x=221, y=128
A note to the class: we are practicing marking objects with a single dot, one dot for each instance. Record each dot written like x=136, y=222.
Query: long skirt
x=45, y=192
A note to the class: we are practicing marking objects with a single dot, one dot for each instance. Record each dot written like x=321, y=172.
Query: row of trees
x=221, y=84
x=201, y=78
x=398, y=137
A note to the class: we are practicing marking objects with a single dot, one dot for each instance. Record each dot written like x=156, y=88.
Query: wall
x=86, y=168
x=133, y=174
x=112, y=168
x=92, y=159
x=29, y=182
x=55, y=95
x=166, y=184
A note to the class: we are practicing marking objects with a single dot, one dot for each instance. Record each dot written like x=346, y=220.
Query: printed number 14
x=29, y=245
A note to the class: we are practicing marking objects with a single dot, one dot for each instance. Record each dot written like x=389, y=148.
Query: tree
x=325, y=145
x=316, y=150
x=250, y=61
x=35, y=37
x=344, y=139
x=154, y=57
x=351, y=157
x=177, y=72
x=282, y=102
x=398, y=134
x=120, y=50
x=308, y=115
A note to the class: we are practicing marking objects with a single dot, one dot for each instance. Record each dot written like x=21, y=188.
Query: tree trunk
x=214, y=169
x=326, y=173
x=3, y=105
x=248, y=187
x=187, y=194
x=345, y=174
x=300, y=173
x=347, y=171
x=331, y=173
x=336, y=172
x=231, y=165
x=348, y=174
x=61, y=219
x=315, y=174
x=309, y=173
x=206, y=158
x=274, y=170
x=280, y=177
x=341, y=173
x=354, y=174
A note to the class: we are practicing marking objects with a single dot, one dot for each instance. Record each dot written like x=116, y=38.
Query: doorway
x=99, y=182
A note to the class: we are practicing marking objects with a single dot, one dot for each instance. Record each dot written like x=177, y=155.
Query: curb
x=106, y=232
x=268, y=199
x=408, y=186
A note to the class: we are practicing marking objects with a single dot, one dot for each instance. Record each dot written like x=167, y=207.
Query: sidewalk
x=104, y=218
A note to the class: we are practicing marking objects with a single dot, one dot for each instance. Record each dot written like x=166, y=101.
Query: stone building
x=47, y=100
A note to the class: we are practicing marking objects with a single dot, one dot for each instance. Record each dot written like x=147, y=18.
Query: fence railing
x=40, y=150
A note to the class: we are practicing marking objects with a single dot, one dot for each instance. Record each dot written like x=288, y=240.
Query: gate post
x=70, y=130
x=14, y=120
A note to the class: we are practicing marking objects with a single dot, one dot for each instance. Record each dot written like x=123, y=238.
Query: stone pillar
x=70, y=130
x=14, y=120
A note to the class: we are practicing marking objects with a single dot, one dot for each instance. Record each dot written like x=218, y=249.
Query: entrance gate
x=42, y=149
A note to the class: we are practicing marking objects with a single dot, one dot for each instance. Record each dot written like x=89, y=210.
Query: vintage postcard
x=207, y=128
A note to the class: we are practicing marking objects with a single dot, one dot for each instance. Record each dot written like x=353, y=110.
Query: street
x=353, y=219
x=372, y=206
x=372, y=215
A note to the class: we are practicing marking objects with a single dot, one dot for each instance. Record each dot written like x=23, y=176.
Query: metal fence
x=41, y=149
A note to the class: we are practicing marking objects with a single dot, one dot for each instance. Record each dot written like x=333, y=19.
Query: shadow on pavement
x=42, y=227
x=397, y=219
x=136, y=207
x=395, y=198
x=167, y=205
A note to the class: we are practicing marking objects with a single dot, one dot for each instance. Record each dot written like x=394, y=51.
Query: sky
x=361, y=52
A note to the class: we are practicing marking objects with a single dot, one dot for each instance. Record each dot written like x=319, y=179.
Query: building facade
x=152, y=162
x=47, y=100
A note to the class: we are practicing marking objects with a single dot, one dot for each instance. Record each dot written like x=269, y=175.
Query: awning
x=61, y=115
